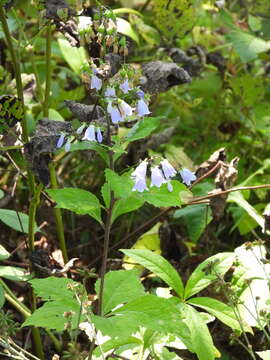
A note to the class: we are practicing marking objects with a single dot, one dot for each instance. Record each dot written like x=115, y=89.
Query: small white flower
x=187, y=176
x=90, y=134
x=60, y=141
x=114, y=113
x=157, y=178
x=96, y=82
x=99, y=135
x=110, y=92
x=67, y=146
x=169, y=186
x=140, y=170
x=140, y=185
x=125, y=87
x=168, y=169
x=80, y=129
x=85, y=22
x=142, y=108
x=125, y=109
x=139, y=177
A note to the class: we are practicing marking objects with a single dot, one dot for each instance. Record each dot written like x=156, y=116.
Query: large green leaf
x=60, y=296
x=247, y=45
x=125, y=28
x=16, y=220
x=121, y=286
x=156, y=313
x=75, y=57
x=77, y=200
x=221, y=311
x=143, y=128
x=121, y=185
x=158, y=265
x=162, y=197
x=200, y=336
x=90, y=145
x=13, y=273
x=123, y=206
x=196, y=217
x=207, y=272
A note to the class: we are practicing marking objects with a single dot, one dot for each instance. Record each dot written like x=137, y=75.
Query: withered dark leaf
x=206, y=166
x=86, y=113
x=161, y=76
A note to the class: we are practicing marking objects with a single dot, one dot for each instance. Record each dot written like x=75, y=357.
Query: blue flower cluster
x=160, y=174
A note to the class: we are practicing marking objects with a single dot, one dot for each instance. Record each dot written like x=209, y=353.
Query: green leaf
x=61, y=299
x=53, y=288
x=75, y=57
x=2, y=296
x=156, y=313
x=17, y=221
x=13, y=273
x=239, y=199
x=159, y=266
x=264, y=355
x=162, y=197
x=126, y=11
x=77, y=200
x=116, y=343
x=120, y=185
x=207, y=272
x=114, y=325
x=55, y=115
x=4, y=254
x=90, y=145
x=196, y=217
x=220, y=310
x=164, y=354
x=2, y=194
x=106, y=194
x=121, y=286
x=125, y=28
x=247, y=45
x=143, y=128
x=200, y=336
x=123, y=206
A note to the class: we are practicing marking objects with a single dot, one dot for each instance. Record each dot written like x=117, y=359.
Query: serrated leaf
x=53, y=288
x=77, y=200
x=123, y=206
x=60, y=296
x=247, y=45
x=120, y=185
x=125, y=28
x=17, y=221
x=162, y=197
x=159, y=266
x=221, y=311
x=200, y=336
x=121, y=286
x=75, y=57
x=207, y=272
x=4, y=254
x=143, y=128
x=51, y=315
x=14, y=273
x=156, y=313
